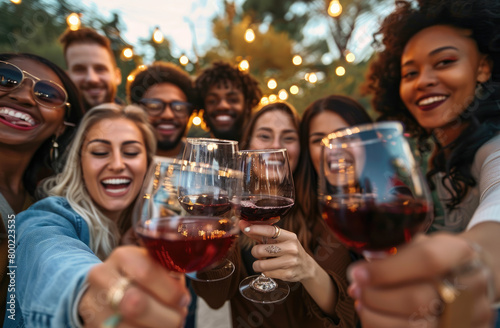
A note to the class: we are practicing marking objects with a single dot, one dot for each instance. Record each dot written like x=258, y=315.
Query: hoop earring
x=54, y=150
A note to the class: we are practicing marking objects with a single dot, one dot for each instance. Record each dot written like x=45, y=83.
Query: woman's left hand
x=281, y=258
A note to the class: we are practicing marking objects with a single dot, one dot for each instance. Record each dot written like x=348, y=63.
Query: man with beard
x=167, y=94
x=228, y=96
x=91, y=65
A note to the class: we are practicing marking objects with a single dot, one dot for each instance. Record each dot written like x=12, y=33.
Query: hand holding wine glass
x=373, y=194
x=267, y=195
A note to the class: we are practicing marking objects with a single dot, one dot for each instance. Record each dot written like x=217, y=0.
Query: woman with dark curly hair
x=439, y=73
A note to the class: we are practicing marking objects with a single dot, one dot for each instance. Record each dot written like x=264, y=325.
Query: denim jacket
x=52, y=258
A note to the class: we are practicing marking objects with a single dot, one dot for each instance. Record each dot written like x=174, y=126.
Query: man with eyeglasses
x=228, y=96
x=91, y=66
x=167, y=94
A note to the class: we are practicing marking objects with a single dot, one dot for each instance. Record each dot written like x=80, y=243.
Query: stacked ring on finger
x=115, y=294
x=277, y=232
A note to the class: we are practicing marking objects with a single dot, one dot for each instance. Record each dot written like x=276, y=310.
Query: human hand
x=402, y=290
x=281, y=258
x=130, y=238
x=143, y=292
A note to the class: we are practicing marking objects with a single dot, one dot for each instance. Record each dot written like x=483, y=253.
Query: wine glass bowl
x=219, y=153
x=372, y=192
x=182, y=237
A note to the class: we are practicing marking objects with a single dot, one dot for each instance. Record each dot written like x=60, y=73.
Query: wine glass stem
x=263, y=283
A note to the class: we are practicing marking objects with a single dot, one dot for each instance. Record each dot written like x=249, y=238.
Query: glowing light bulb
x=249, y=35
x=158, y=36
x=334, y=8
x=297, y=60
x=183, y=60
x=128, y=53
x=272, y=84
x=272, y=98
x=196, y=120
x=294, y=89
x=282, y=94
x=340, y=71
x=313, y=78
x=130, y=78
x=350, y=57
x=73, y=21
x=244, y=65
x=16, y=2
x=264, y=101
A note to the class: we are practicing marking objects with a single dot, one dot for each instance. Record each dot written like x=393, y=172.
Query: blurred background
x=298, y=50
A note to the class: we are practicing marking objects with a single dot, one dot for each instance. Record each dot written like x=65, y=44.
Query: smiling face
x=440, y=68
x=114, y=162
x=275, y=130
x=92, y=69
x=23, y=122
x=224, y=106
x=169, y=128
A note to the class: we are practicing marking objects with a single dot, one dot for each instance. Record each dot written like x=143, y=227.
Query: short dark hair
x=159, y=72
x=85, y=35
x=223, y=73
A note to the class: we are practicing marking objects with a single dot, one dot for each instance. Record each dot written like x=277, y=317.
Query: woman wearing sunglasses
x=38, y=106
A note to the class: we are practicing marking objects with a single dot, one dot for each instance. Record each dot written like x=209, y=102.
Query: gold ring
x=277, y=232
x=116, y=292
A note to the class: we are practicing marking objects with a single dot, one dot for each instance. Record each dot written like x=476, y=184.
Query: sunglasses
x=155, y=107
x=46, y=93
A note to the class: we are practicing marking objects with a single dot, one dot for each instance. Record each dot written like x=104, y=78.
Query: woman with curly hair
x=439, y=73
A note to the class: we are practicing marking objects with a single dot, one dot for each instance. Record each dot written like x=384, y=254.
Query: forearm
x=487, y=236
x=321, y=288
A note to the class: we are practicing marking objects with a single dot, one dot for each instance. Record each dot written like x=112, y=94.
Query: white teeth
x=16, y=114
x=116, y=191
x=430, y=100
x=116, y=181
x=223, y=118
x=166, y=126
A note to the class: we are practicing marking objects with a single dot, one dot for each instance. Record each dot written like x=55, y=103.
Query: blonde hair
x=104, y=233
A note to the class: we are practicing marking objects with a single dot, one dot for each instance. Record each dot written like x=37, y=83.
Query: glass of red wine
x=267, y=195
x=179, y=236
x=373, y=195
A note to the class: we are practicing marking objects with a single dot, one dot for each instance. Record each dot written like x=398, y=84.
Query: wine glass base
x=216, y=273
x=258, y=293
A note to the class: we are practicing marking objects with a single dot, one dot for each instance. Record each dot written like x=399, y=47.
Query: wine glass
x=186, y=241
x=267, y=196
x=219, y=153
x=373, y=195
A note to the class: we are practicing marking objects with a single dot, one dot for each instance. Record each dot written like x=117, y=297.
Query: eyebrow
x=432, y=53
x=284, y=131
x=317, y=134
x=107, y=142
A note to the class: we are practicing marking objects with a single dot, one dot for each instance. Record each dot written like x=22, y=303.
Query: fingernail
x=247, y=229
x=358, y=274
x=354, y=291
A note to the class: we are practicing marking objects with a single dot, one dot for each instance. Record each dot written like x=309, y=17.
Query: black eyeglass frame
x=157, y=112
x=25, y=75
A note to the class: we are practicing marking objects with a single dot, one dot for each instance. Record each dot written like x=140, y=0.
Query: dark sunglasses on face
x=46, y=93
x=155, y=107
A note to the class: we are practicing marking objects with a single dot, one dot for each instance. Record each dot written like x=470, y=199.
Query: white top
x=482, y=203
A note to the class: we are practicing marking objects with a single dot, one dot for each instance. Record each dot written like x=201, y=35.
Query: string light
x=272, y=84
x=73, y=21
x=334, y=8
x=184, y=60
x=244, y=65
x=196, y=120
x=264, y=101
x=158, y=35
x=130, y=78
x=249, y=35
x=297, y=60
x=272, y=98
x=16, y=2
x=312, y=78
x=282, y=94
x=128, y=53
x=350, y=57
x=294, y=89
x=340, y=71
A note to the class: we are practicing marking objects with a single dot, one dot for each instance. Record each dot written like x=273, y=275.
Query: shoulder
x=488, y=152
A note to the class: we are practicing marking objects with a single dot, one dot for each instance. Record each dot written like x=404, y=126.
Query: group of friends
x=74, y=156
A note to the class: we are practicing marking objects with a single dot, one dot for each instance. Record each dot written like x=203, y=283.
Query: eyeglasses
x=45, y=92
x=155, y=107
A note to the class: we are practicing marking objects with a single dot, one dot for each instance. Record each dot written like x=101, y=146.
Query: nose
x=168, y=113
x=276, y=143
x=223, y=104
x=426, y=78
x=117, y=164
x=23, y=93
x=91, y=76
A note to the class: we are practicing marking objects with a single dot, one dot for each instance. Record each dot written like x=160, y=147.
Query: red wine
x=187, y=244
x=205, y=205
x=363, y=225
x=265, y=209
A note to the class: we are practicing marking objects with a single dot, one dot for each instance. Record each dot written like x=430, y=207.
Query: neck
x=173, y=152
x=447, y=134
